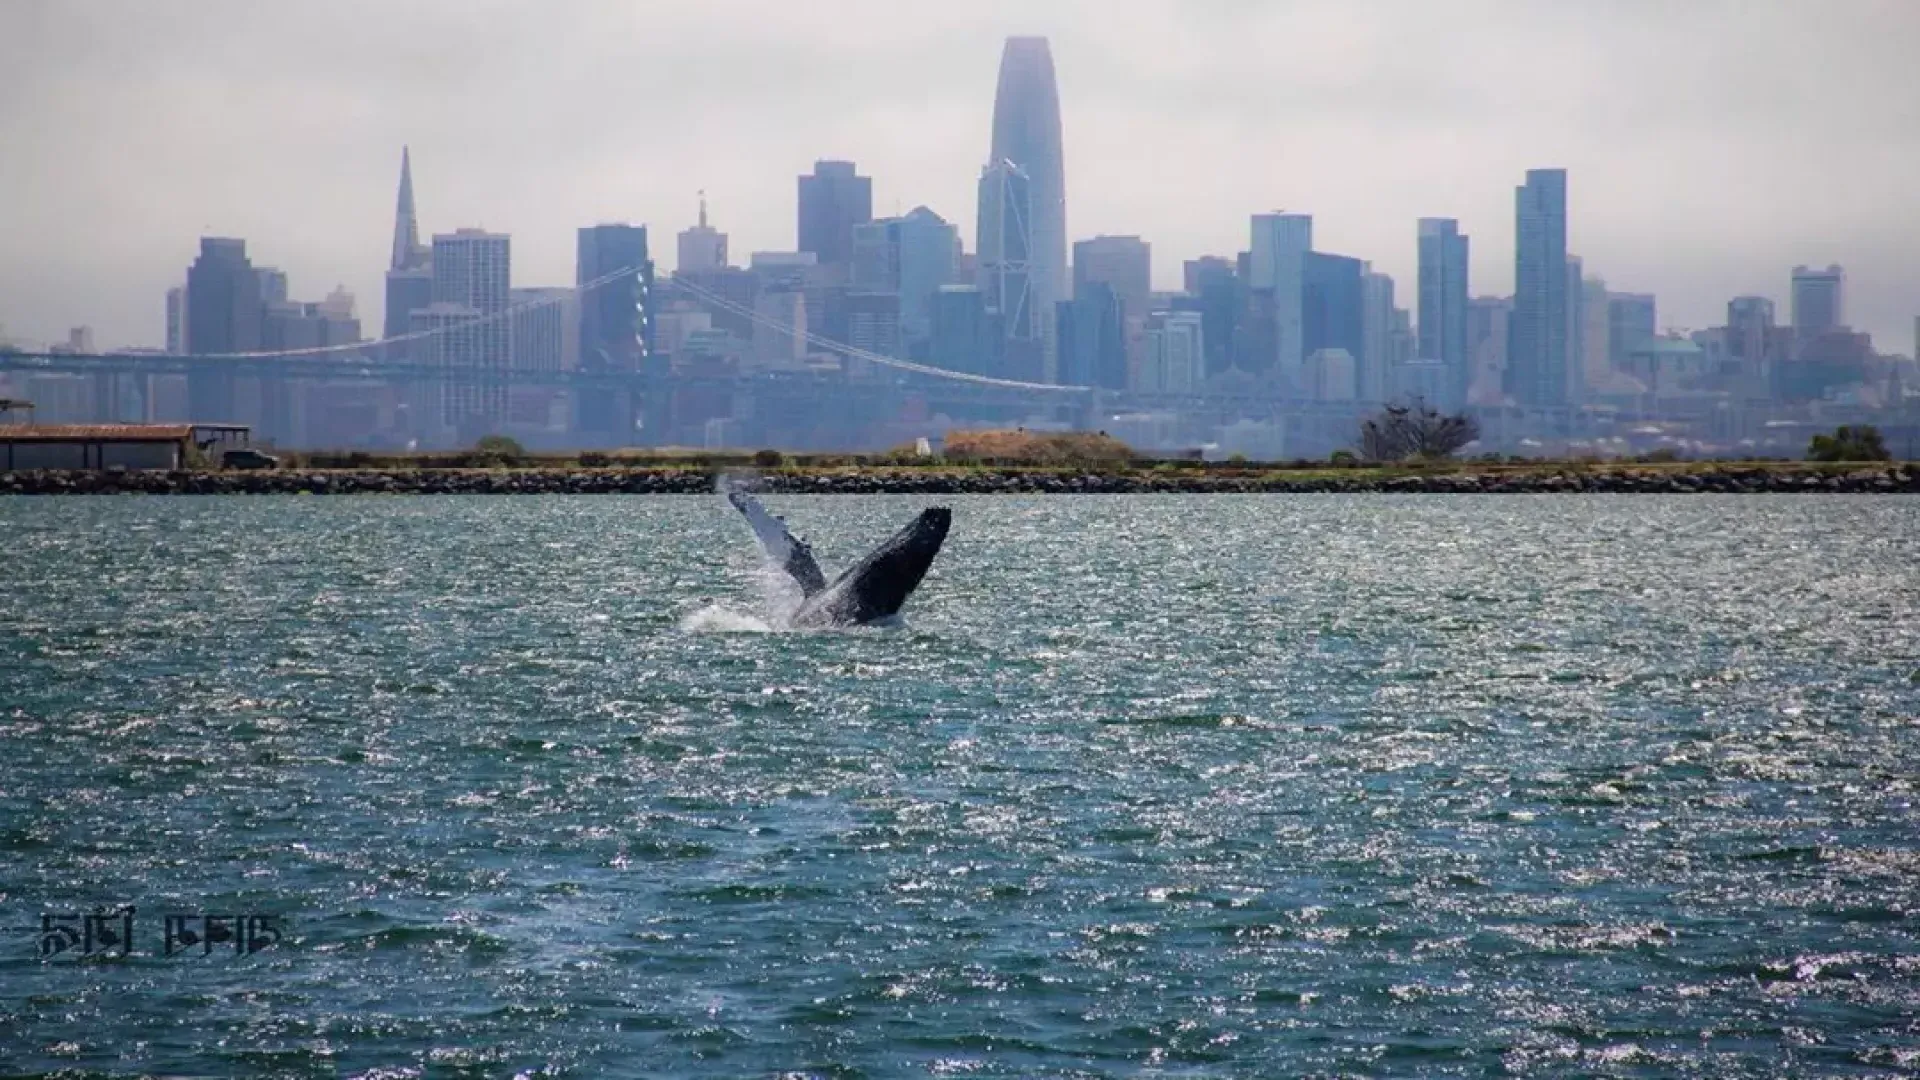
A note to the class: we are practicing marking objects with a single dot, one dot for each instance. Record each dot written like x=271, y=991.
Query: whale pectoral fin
x=782, y=547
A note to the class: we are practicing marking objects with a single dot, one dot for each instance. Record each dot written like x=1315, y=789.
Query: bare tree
x=1399, y=432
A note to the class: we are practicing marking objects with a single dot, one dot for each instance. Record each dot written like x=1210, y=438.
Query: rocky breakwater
x=1728, y=479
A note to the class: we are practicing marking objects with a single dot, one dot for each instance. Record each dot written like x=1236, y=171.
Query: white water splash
x=719, y=619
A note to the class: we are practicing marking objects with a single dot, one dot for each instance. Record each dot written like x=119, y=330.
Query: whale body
x=874, y=588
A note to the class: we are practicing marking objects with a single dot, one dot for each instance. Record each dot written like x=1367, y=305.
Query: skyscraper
x=1537, y=372
x=224, y=315
x=1091, y=338
x=1004, y=249
x=1214, y=284
x=912, y=256
x=702, y=247
x=1375, y=376
x=1333, y=305
x=177, y=319
x=1277, y=265
x=1124, y=262
x=1443, y=305
x=472, y=275
x=1026, y=132
x=409, y=275
x=1632, y=321
x=616, y=317
x=833, y=199
x=1818, y=301
x=224, y=308
x=406, y=228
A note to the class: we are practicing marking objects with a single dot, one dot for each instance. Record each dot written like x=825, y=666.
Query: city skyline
x=1679, y=200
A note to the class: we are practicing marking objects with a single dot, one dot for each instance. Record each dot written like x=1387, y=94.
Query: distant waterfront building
x=702, y=247
x=1576, y=329
x=1818, y=301
x=1333, y=312
x=1332, y=375
x=1443, y=305
x=223, y=299
x=1280, y=244
x=833, y=199
x=543, y=327
x=472, y=273
x=911, y=256
x=177, y=319
x=409, y=272
x=779, y=335
x=1214, y=285
x=1125, y=263
x=1596, y=333
x=964, y=337
x=1632, y=321
x=616, y=316
x=1489, y=320
x=1004, y=247
x=873, y=322
x=1537, y=358
x=1091, y=336
x=1026, y=132
x=1375, y=380
x=1175, y=353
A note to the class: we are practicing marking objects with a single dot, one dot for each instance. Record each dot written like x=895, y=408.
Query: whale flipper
x=877, y=586
x=784, y=549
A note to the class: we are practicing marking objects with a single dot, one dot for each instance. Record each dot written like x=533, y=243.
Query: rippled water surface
x=1148, y=786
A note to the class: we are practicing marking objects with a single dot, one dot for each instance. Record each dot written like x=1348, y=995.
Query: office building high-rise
x=964, y=335
x=1333, y=307
x=1753, y=344
x=1277, y=265
x=1026, y=132
x=910, y=256
x=177, y=319
x=224, y=315
x=1374, y=377
x=1443, y=305
x=1818, y=301
x=1123, y=262
x=224, y=309
x=1004, y=248
x=1632, y=322
x=616, y=317
x=833, y=199
x=1489, y=333
x=472, y=278
x=409, y=271
x=1537, y=357
x=1091, y=337
x=1213, y=283
x=1175, y=351
x=702, y=247
x=407, y=252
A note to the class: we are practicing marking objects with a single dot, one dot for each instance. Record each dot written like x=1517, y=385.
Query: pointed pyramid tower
x=406, y=229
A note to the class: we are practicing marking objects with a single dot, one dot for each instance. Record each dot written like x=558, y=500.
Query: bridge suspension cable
x=420, y=335
x=710, y=297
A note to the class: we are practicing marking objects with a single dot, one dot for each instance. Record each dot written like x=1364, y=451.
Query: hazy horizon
x=1710, y=147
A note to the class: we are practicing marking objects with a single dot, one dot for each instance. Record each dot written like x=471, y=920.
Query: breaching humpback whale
x=873, y=588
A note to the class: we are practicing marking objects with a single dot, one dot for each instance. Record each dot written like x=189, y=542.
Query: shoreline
x=1544, y=478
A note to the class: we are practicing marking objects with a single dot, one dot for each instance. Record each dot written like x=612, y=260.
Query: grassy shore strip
x=1461, y=478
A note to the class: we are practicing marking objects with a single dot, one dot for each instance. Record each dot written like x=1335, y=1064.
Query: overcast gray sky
x=1712, y=144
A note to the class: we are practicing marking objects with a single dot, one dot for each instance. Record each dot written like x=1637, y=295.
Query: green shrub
x=768, y=459
x=1849, y=442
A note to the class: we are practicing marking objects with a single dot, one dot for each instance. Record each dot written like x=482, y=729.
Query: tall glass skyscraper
x=1537, y=347
x=1026, y=132
x=1443, y=305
